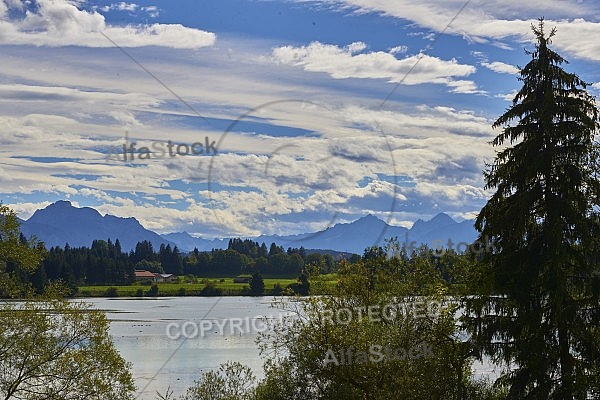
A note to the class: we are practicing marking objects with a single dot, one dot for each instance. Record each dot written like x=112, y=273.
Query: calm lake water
x=139, y=330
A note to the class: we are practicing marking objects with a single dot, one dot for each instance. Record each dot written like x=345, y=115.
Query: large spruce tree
x=540, y=311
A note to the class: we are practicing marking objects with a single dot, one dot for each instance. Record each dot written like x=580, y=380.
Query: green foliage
x=103, y=262
x=211, y=290
x=538, y=303
x=302, y=286
x=26, y=254
x=297, y=350
x=257, y=285
x=152, y=266
x=19, y=258
x=59, y=350
x=232, y=381
x=277, y=290
x=153, y=291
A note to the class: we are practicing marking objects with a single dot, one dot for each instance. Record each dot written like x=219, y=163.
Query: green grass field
x=228, y=287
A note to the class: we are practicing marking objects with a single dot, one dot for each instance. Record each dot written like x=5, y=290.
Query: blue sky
x=293, y=93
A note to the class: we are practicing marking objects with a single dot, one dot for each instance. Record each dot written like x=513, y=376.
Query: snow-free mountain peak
x=61, y=223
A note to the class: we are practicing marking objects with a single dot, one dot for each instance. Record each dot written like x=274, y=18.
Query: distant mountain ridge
x=352, y=237
x=61, y=223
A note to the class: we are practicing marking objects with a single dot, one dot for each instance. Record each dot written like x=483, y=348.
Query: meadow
x=199, y=287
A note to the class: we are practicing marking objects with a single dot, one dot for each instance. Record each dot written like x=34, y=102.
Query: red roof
x=144, y=274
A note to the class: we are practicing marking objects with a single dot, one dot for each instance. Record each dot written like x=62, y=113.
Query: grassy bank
x=202, y=287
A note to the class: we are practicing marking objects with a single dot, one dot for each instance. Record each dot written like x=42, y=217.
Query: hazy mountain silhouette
x=61, y=223
x=353, y=237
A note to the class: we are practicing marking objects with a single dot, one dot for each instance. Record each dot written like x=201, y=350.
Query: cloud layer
x=61, y=23
x=296, y=112
x=352, y=62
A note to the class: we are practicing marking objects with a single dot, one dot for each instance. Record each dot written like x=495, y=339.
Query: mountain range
x=61, y=223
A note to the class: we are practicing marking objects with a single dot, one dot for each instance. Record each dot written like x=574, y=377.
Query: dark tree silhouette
x=257, y=285
x=541, y=309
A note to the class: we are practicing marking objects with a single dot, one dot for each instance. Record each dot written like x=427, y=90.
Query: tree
x=51, y=348
x=59, y=350
x=297, y=349
x=274, y=249
x=540, y=311
x=145, y=251
x=232, y=381
x=302, y=286
x=18, y=259
x=153, y=291
x=257, y=284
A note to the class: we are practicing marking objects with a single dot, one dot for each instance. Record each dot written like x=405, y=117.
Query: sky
x=243, y=118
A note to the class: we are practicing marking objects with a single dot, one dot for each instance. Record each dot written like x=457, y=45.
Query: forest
x=105, y=263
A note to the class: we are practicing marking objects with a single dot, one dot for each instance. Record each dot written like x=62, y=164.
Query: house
x=142, y=275
x=165, y=278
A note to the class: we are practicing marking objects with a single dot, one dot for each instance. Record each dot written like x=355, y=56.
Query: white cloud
x=153, y=11
x=596, y=85
x=343, y=62
x=26, y=210
x=464, y=86
x=508, y=96
x=21, y=92
x=61, y=23
x=491, y=21
x=122, y=6
x=356, y=47
x=500, y=67
x=398, y=50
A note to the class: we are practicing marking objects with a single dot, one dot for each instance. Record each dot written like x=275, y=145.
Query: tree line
x=106, y=263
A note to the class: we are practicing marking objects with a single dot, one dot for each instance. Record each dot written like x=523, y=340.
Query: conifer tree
x=540, y=311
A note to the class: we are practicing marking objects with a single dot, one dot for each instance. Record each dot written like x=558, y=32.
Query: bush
x=277, y=290
x=111, y=292
x=257, y=285
x=153, y=291
x=59, y=350
x=211, y=290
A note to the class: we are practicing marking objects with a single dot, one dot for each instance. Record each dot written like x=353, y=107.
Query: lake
x=147, y=332
x=139, y=330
